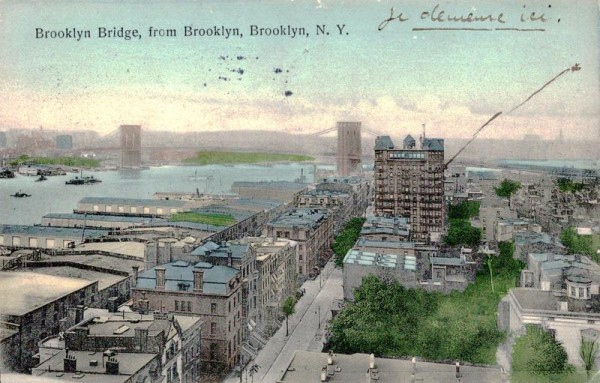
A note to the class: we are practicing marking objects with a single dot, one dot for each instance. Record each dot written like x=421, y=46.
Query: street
x=306, y=327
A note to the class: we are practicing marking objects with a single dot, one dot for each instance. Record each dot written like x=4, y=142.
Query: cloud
x=222, y=109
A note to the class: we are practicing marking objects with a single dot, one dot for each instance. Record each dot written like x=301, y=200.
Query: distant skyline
x=392, y=80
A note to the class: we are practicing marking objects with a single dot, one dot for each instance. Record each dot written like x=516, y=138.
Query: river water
x=53, y=196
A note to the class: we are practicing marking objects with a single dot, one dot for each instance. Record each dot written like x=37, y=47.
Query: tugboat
x=81, y=180
x=20, y=194
x=41, y=178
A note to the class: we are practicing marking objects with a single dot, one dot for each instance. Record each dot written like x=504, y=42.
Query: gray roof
x=215, y=278
x=383, y=142
x=101, y=217
x=433, y=144
x=529, y=237
x=385, y=244
x=447, y=261
x=300, y=217
x=283, y=185
x=409, y=140
x=26, y=291
x=132, y=202
x=237, y=251
x=129, y=364
x=48, y=231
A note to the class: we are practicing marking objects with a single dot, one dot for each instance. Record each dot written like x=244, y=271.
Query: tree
x=507, y=188
x=464, y=210
x=460, y=232
x=588, y=349
x=567, y=186
x=346, y=239
x=288, y=308
x=538, y=352
x=577, y=244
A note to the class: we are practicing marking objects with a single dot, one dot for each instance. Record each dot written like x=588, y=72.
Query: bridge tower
x=131, y=146
x=349, y=150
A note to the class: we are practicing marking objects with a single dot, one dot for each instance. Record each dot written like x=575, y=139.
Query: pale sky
x=393, y=79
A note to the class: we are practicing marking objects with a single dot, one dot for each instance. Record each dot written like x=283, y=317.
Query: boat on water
x=41, y=178
x=19, y=194
x=81, y=180
x=6, y=173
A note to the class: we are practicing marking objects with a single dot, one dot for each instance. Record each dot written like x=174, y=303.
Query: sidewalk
x=306, y=327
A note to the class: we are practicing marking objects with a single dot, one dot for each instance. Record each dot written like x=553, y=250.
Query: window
x=189, y=306
x=213, y=308
x=213, y=328
x=176, y=305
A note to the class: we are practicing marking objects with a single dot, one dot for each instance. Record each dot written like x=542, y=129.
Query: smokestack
x=324, y=374
x=229, y=257
x=414, y=366
x=135, y=271
x=371, y=361
x=160, y=277
x=457, y=370
x=198, y=280
x=330, y=358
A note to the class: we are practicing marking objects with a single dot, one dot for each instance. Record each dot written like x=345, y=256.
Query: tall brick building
x=409, y=182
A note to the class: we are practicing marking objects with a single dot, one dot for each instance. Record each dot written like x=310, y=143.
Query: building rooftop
x=446, y=261
x=104, y=279
x=130, y=248
x=530, y=237
x=277, y=185
x=300, y=217
x=129, y=364
x=26, y=291
x=106, y=218
x=132, y=202
x=100, y=261
x=383, y=142
x=400, y=245
x=433, y=144
x=367, y=258
x=535, y=299
x=238, y=251
x=216, y=278
x=342, y=180
x=325, y=193
x=50, y=232
x=306, y=367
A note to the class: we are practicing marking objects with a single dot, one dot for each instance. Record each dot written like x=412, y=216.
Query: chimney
x=229, y=257
x=414, y=366
x=160, y=277
x=198, y=280
x=70, y=362
x=141, y=339
x=112, y=366
x=330, y=358
x=457, y=370
x=372, y=361
x=135, y=271
x=324, y=374
x=144, y=304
